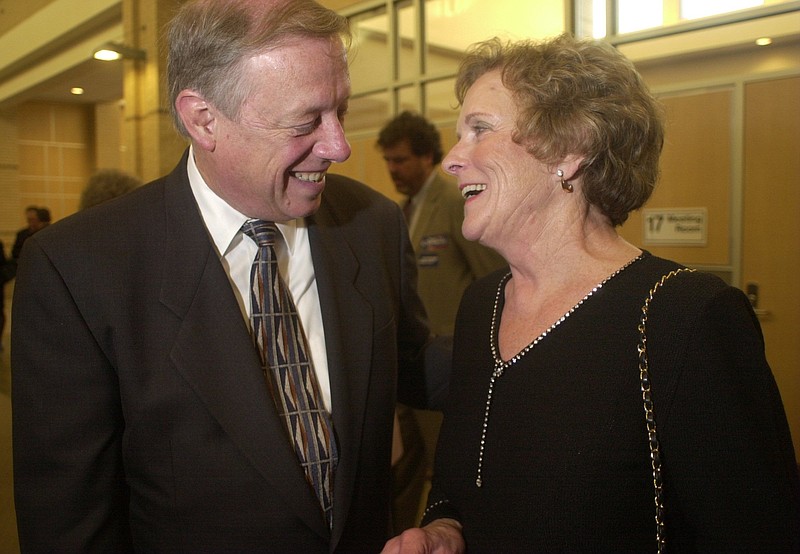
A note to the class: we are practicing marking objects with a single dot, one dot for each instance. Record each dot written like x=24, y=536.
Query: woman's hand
x=441, y=536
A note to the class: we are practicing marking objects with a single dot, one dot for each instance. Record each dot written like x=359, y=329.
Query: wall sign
x=675, y=226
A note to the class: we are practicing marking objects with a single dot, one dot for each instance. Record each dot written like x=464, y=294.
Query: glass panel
x=370, y=65
x=367, y=112
x=408, y=58
x=694, y=9
x=636, y=15
x=440, y=100
x=590, y=18
x=452, y=25
x=408, y=99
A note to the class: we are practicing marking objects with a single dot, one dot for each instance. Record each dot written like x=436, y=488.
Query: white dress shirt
x=237, y=251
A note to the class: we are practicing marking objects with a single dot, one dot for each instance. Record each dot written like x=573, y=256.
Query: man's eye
x=308, y=127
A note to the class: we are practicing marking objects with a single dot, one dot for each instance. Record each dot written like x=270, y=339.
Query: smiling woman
x=545, y=445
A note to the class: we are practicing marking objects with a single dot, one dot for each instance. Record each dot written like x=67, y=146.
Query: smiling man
x=146, y=415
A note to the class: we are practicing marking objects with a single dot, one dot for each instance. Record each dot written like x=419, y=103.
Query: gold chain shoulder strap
x=649, y=415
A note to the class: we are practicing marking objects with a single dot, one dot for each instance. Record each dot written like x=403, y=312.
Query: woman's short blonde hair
x=580, y=97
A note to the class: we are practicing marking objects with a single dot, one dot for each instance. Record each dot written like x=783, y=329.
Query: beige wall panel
x=366, y=165
x=34, y=122
x=54, y=190
x=32, y=191
x=354, y=166
x=52, y=163
x=73, y=187
x=695, y=173
x=771, y=247
x=722, y=64
x=76, y=163
x=69, y=205
x=71, y=123
x=56, y=155
x=375, y=172
x=11, y=217
x=108, y=135
x=32, y=159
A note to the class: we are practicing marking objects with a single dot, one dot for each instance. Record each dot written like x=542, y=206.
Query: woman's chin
x=470, y=232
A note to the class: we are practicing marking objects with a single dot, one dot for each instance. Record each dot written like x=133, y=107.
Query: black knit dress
x=565, y=463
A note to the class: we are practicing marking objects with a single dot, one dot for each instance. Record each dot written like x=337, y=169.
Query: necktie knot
x=264, y=233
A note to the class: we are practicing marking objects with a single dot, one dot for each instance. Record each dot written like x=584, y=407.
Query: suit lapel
x=427, y=209
x=214, y=352
x=347, y=318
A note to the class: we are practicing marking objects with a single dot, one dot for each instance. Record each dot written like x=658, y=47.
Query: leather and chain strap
x=649, y=414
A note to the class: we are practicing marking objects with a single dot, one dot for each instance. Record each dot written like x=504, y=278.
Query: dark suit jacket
x=140, y=413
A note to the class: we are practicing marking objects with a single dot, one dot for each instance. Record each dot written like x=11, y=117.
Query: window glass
x=640, y=15
x=369, y=111
x=369, y=54
x=408, y=99
x=440, y=100
x=636, y=15
x=408, y=57
x=452, y=25
x=695, y=9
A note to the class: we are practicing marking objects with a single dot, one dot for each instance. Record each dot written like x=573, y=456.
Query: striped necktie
x=278, y=334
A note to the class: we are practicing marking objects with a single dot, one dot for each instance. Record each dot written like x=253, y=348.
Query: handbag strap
x=649, y=414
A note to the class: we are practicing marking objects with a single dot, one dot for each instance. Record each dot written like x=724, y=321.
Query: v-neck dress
x=566, y=463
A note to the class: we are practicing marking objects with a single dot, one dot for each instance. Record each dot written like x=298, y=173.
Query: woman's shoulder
x=680, y=279
x=681, y=297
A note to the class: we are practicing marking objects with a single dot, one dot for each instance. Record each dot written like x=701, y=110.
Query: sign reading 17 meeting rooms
x=675, y=226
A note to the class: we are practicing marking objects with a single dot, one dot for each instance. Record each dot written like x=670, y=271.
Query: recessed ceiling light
x=77, y=91
x=107, y=55
x=764, y=41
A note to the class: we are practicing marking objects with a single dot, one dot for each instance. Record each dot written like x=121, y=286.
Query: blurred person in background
x=106, y=184
x=447, y=263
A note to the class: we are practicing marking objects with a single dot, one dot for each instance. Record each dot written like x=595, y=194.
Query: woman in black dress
x=602, y=399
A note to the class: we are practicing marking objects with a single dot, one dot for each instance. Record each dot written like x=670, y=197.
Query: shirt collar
x=223, y=222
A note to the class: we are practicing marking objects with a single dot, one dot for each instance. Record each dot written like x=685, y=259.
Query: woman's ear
x=199, y=119
x=570, y=166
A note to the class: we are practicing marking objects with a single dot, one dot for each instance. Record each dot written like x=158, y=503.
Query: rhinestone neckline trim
x=500, y=366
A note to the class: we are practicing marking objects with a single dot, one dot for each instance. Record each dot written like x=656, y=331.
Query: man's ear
x=199, y=118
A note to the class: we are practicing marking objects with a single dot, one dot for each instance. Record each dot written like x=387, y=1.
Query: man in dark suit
x=141, y=415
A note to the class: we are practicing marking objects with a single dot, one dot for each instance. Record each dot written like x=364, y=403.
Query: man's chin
x=308, y=208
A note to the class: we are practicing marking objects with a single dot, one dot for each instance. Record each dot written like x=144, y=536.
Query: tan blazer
x=446, y=261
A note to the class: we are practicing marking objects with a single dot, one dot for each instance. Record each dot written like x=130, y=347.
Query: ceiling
x=101, y=81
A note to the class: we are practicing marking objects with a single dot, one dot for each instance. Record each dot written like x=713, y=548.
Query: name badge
x=428, y=260
x=434, y=243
